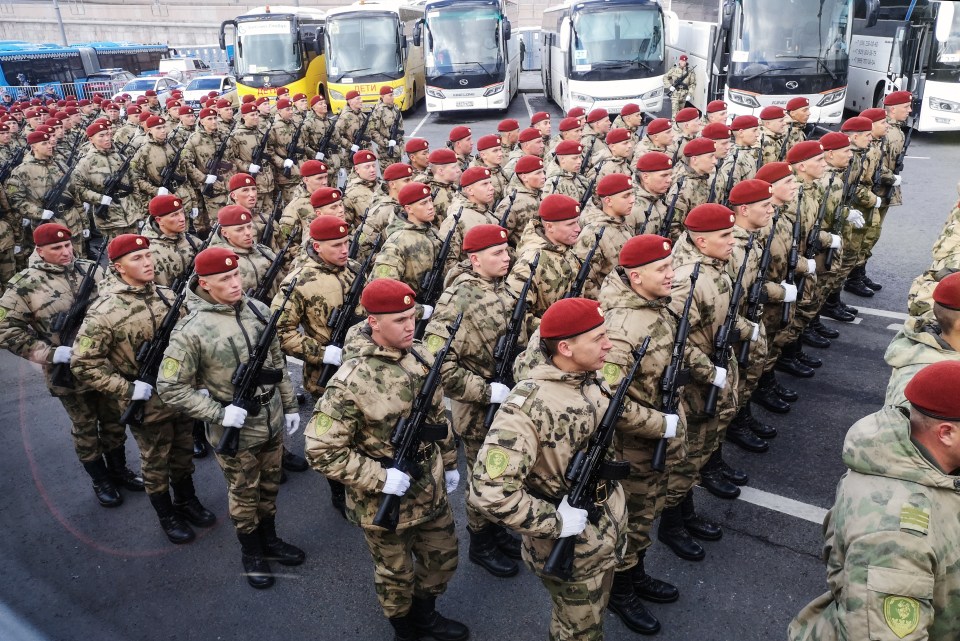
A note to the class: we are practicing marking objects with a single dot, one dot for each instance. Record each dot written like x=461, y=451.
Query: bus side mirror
x=506, y=29
x=672, y=25
x=944, y=22
x=417, y=33
x=223, y=30
x=726, y=20
x=565, y=31
x=873, y=11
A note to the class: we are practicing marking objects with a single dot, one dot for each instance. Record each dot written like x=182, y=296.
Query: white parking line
x=855, y=321
x=422, y=122
x=783, y=505
x=895, y=326
x=526, y=101
x=883, y=313
x=918, y=157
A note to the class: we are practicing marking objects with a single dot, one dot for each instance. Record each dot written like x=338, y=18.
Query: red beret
x=316, y=99
x=570, y=317
x=329, y=228
x=527, y=135
x=248, y=108
x=155, y=121
x=716, y=106
x=508, y=125
x=459, y=133
x=313, y=168
x=569, y=124
x=396, y=171
x=654, y=161
x=797, y=103
x=569, y=148
x=576, y=112
x=141, y=100
x=716, y=131
x=629, y=109
x=933, y=391
x=442, y=156
x=170, y=102
x=387, y=296
x=658, y=126
x=126, y=244
x=37, y=136
x=744, y=122
x=50, y=233
x=283, y=103
x=163, y=205
x=480, y=237
x=324, y=196
x=491, y=141
x=773, y=172
x=947, y=292
x=282, y=91
x=176, y=93
x=898, y=98
x=772, y=113
x=71, y=111
x=834, y=140
x=296, y=98
x=83, y=103
x=874, y=114
x=248, y=99
x=804, y=151
x=185, y=111
x=385, y=90
x=416, y=144
x=747, y=192
x=131, y=110
x=215, y=260
x=540, y=116
x=528, y=164
x=238, y=181
x=617, y=135
x=614, y=184
x=687, y=114
x=4, y=127
x=233, y=215
x=709, y=217
x=52, y=122
x=596, y=115
x=474, y=175
x=262, y=100
x=412, y=193
x=96, y=127
x=363, y=156
x=207, y=112
x=150, y=93
x=224, y=104
x=857, y=124
x=698, y=147
x=644, y=249
x=557, y=207
x=683, y=56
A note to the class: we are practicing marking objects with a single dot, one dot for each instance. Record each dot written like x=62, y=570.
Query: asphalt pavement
x=75, y=571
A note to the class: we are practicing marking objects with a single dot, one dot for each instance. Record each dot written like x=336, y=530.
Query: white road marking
x=883, y=313
x=294, y=361
x=918, y=157
x=526, y=101
x=783, y=505
x=855, y=321
x=895, y=326
x=422, y=122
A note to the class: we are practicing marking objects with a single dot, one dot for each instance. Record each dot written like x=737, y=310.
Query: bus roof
x=570, y=3
x=393, y=6
x=120, y=46
x=286, y=9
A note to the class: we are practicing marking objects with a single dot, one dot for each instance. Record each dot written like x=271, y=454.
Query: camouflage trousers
x=806, y=308
x=253, y=480
x=578, y=607
x=646, y=493
x=385, y=158
x=872, y=233
x=678, y=100
x=778, y=335
x=414, y=561
x=850, y=257
x=95, y=424
x=166, y=451
x=756, y=362
x=8, y=263
x=468, y=423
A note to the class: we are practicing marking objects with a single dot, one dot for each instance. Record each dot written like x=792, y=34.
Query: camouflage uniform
x=676, y=78
x=556, y=271
x=796, y=133
x=197, y=154
x=172, y=255
x=295, y=220
x=946, y=260
x=889, y=542
x=348, y=125
x=357, y=197
x=568, y=184
x=146, y=169
x=443, y=195
x=914, y=347
x=772, y=147
x=408, y=253
x=862, y=199
x=282, y=135
x=616, y=232
x=253, y=263
x=243, y=143
x=595, y=149
x=525, y=208
x=886, y=158
x=694, y=191
x=26, y=187
x=124, y=134
x=472, y=214
x=382, y=216
x=382, y=120
x=314, y=130
x=89, y=182
x=649, y=212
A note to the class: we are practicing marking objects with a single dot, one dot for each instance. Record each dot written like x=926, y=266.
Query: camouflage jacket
x=525, y=208
x=473, y=214
x=881, y=179
x=254, y=262
x=863, y=198
x=348, y=124
x=314, y=130
x=295, y=219
x=243, y=143
x=357, y=197
x=27, y=186
x=796, y=133
x=382, y=120
x=89, y=182
x=896, y=139
x=615, y=165
x=200, y=149
x=510, y=163
x=282, y=135
x=645, y=146
x=676, y=78
x=408, y=253
x=556, y=271
x=383, y=212
x=889, y=542
x=180, y=134
x=649, y=211
x=946, y=260
x=445, y=193
x=616, y=232
x=914, y=347
x=348, y=438
x=123, y=134
x=172, y=255
x=568, y=184
x=694, y=191
x=146, y=169
x=772, y=146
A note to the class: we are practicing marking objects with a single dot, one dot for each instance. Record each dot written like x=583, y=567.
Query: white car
x=139, y=86
x=198, y=88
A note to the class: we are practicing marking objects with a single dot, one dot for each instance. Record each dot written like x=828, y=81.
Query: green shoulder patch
x=902, y=614
x=434, y=343
x=169, y=367
x=915, y=519
x=496, y=462
x=83, y=344
x=3, y=313
x=612, y=373
x=382, y=271
x=322, y=423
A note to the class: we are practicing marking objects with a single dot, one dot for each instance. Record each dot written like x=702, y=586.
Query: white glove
x=86, y=232
x=210, y=179
x=879, y=202
x=856, y=219
x=287, y=164
x=397, y=482
x=720, y=378
x=835, y=241
x=142, y=391
x=811, y=266
x=253, y=168
x=755, y=334
x=106, y=201
x=789, y=293
x=572, y=520
x=897, y=180
x=46, y=215
x=17, y=249
x=62, y=354
x=354, y=148
x=320, y=156
x=451, y=479
x=194, y=212
x=498, y=393
x=391, y=143
x=292, y=423
x=332, y=355
x=427, y=312
x=25, y=222
x=672, y=421
x=203, y=391
x=162, y=191
x=233, y=416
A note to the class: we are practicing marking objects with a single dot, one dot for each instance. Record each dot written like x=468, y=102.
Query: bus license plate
x=464, y=104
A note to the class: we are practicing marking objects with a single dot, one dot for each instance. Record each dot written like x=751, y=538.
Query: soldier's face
x=239, y=235
x=320, y=108
x=245, y=196
x=136, y=268
x=656, y=182
x=535, y=179
x=619, y=204
x=447, y=173
x=419, y=159
x=159, y=132
x=251, y=119
x=785, y=190
x=226, y=288
x=601, y=126
x=481, y=192
x=588, y=351
x=662, y=139
x=622, y=149
x=43, y=149
x=572, y=134
x=492, y=157
x=569, y=162
x=387, y=99
x=704, y=163
x=5, y=137
x=355, y=103
x=723, y=148
x=717, y=116
x=860, y=139
x=367, y=171
x=173, y=223
x=653, y=280
x=226, y=114
x=264, y=108
x=394, y=330
x=534, y=147
x=512, y=136
x=748, y=137
x=302, y=104
x=394, y=186
x=285, y=114
x=756, y=215
x=633, y=120
x=334, y=252
x=777, y=125
x=544, y=127
x=57, y=253
x=421, y=211
x=463, y=146
x=815, y=167
x=334, y=209
x=209, y=124
x=716, y=244
x=880, y=128
x=493, y=262
x=801, y=115
x=899, y=112
x=839, y=158
x=563, y=232
x=315, y=182
x=189, y=120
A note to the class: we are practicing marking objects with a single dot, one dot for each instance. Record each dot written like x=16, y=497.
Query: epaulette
x=915, y=515
x=522, y=393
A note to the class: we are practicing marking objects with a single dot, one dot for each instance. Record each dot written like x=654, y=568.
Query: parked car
x=139, y=86
x=183, y=69
x=107, y=81
x=198, y=88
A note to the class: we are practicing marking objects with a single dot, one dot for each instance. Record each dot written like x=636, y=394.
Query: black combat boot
x=338, y=497
x=766, y=395
x=672, y=533
x=806, y=359
x=625, y=603
x=868, y=281
x=119, y=473
x=274, y=548
x=834, y=308
x=757, y=426
x=255, y=566
x=199, y=439
x=740, y=433
x=507, y=542
x=788, y=362
x=810, y=337
x=712, y=479
x=649, y=588
x=737, y=477
x=855, y=284
x=294, y=462
x=403, y=629
x=188, y=506
x=827, y=332
x=485, y=553
x=103, y=487
x=785, y=393
x=173, y=526
x=430, y=623
x=695, y=524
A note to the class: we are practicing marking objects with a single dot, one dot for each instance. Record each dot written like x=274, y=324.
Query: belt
x=264, y=399
x=601, y=493
x=424, y=454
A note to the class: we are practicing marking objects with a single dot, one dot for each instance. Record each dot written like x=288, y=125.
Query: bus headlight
x=493, y=89
x=398, y=91
x=832, y=97
x=435, y=93
x=939, y=104
x=743, y=99
x=336, y=95
x=650, y=95
x=581, y=97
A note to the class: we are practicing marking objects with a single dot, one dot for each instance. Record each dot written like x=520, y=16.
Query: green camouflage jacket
x=525, y=208
x=243, y=143
x=556, y=271
x=172, y=255
x=382, y=119
x=408, y=253
x=89, y=182
x=357, y=197
x=914, y=347
x=473, y=214
x=616, y=233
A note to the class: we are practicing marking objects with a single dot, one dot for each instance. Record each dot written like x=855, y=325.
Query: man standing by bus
x=679, y=83
x=386, y=128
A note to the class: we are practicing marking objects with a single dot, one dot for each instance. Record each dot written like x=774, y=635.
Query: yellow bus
x=368, y=45
x=277, y=46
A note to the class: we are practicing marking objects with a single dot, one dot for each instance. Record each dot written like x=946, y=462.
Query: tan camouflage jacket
x=525, y=208
x=616, y=233
x=566, y=183
x=200, y=149
x=124, y=133
x=795, y=134
x=314, y=129
x=648, y=213
x=280, y=136
x=746, y=166
x=510, y=163
x=896, y=139
x=693, y=192
x=382, y=119
x=89, y=182
x=172, y=255
x=445, y=193
x=383, y=212
x=408, y=253
x=243, y=143
x=145, y=169
x=556, y=271
x=645, y=145
x=181, y=134
x=473, y=214
x=594, y=145
x=918, y=344
x=863, y=198
x=254, y=263
x=357, y=197
x=26, y=187
x=772, y=146
x=886, y=162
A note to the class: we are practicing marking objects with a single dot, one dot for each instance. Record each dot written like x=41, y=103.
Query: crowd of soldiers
x=685, y=262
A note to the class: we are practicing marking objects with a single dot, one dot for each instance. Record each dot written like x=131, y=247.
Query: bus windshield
x=948, y=52
x=464, y=38
x=265, y=47
x=617, y=42
x=363, y=46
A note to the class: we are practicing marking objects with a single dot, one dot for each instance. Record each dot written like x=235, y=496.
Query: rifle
x=878, y=171
x=646, y=216
x=12, y=163
x=586, y=157
x=783, y=148
x=180, y=282
x=325, y=141
x=169, y=176
x=729, y=185
x=431, y=285
x=292, y=148
x=577, y=288
x=587, y=469
x=394, y=130
x=589, y=191
x=67, y=323
x=792, y=259
x=56, y=196
x=263, y=287
x=505, y=349
x=675, y=375
x=361, y=132
x=112, y=185
x=898, y=164
x=713, y=184
x=506, y=212
x=251, y=374
x=261, y=147
x=212, y=165
x=267, y=236
x=813, y=237
x=671, y=210
x=412, y=430
x=727, y=334
x=355, y=242
x=755, y=296
x=839, y=215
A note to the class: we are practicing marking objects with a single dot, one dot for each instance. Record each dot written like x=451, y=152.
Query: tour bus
x=369, y=45
x=277, y=46
x=914, y=45
x=605, y=53
x=757, y=53
x=472, y=59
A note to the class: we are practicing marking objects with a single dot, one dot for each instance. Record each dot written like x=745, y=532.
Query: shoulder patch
x=611, y=373
x=3, y=313
x=496, y=462
x=915, y=519
x=902, y=614
x=169, y=367
x=83, y=344
x=323, y=424
x=382, y=271
x=434, y=343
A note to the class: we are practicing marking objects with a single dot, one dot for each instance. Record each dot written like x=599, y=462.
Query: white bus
x=914, y=45
x=757, y=53
x=605, y=53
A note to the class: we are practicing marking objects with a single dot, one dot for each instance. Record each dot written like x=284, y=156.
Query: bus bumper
x=941, y=107
x=614, y=95
x=825, y=108
x=463, y=100
x=369, y=93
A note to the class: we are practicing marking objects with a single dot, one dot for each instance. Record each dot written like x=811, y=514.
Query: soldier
x=444, y=183
x=544, y=422
x=798, y=112
x=349, y=124
x=594, y=133
x=475, y=206
x=889, y=538
x=200, y=150
x=523, y=201
x=186, y=125
x=225, y=114
x=203, y=354
x=172, y=249
x=281, y=135
x=418, y=157
x=243, y=192
x=490, y=157
x=149, y=164
x=361, y=186
x=687, y=126
x=882, y=181
x=114, y=215
x=696, y=172
x=679, y=83
x=569, y=181
x=300, y=212
x=629, y=118
x=126, y=314
x=655, y=176
x=659, y=137
x=773, y=139
x=386, y=128
x=862, y=200
x=152, y=103
x=617, y=197
x=383, y=211
x=529, y=143
x=245, y=141
x=716, y=112
x=315, y=129
x=300, y=107
x=461, y=142
x=571, y=129
x=620, y=144
x=743, y=162
x=509, y=132
x=541, y=122
x=348, y=439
